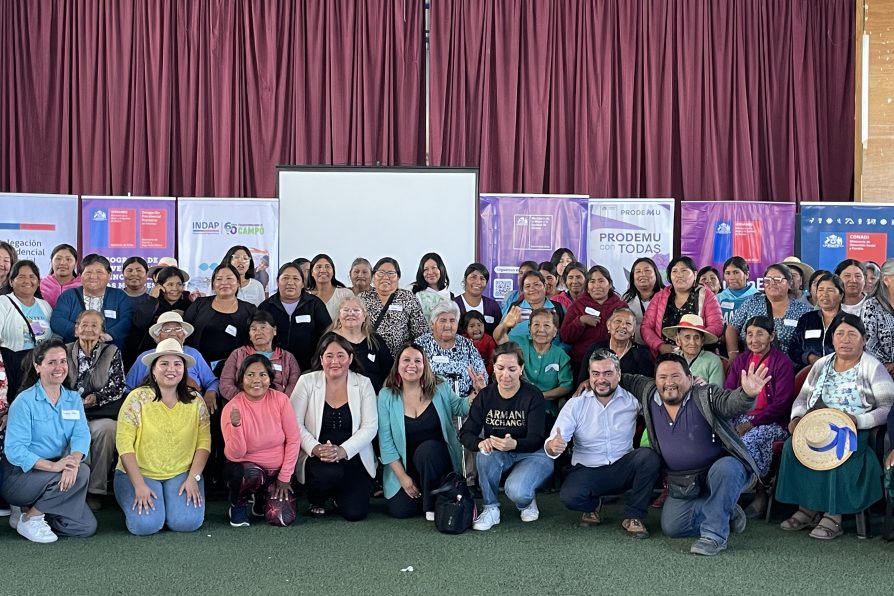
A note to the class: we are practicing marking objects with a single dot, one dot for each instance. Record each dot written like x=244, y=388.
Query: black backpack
x=454, y=506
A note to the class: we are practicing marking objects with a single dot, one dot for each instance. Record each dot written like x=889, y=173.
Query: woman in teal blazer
x=417, y=439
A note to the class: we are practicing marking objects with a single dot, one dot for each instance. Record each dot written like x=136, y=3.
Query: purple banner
x=122, y=227
x=761, y=233
x=516, y=228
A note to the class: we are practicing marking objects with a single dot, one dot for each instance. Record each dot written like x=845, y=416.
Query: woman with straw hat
x=691, y=335
x=818, y=471
x=164, y=439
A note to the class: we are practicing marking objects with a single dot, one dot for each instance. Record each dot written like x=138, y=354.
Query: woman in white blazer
x=336, y=410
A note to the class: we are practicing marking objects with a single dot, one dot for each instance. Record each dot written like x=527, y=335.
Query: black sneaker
x=239, y=517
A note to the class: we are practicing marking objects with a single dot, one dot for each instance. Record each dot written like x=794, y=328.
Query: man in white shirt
x=602, y=422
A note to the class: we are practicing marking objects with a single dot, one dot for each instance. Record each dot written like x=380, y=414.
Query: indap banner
x=517, y=228
x=761, y=233
x=624, y=230
x=35, y=223
x=209, y=227
x=122, y=227
x=833, y=232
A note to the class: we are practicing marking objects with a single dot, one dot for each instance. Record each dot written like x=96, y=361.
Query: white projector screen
x=373, y=212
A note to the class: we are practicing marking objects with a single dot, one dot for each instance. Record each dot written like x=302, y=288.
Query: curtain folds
x=206, y=97
x=725, y=100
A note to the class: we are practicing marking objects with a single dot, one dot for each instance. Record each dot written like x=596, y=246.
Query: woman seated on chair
x=416, y=436
x=768, y=420
x=856, y=383
x=691, y=335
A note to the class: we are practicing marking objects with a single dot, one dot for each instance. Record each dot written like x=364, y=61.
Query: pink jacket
x=50, y=288
x=708, y=309
x=581, y=336
x=285, y=371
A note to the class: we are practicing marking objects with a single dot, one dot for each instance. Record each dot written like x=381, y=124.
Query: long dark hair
x=250, y=272
x=330, y=338
x=252, y=359
x=185, y=393
x=311, y=282
x=632, y=292
x=429, y=381
x=420, y=283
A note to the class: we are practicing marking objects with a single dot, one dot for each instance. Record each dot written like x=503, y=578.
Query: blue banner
x=832, y=232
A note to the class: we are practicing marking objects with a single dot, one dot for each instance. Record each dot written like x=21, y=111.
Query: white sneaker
x=530, y=513
x=429, y=516
x=487, y=519
x=36, y=529
x=14, y=514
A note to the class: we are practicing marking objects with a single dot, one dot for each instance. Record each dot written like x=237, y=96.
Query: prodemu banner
x=833, y=232
x=209, y=227
x=122, y=227
x=761, y=233
x=34, y=223
x=516, y=228
x=624, y=230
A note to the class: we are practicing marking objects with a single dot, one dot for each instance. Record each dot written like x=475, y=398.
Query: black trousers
x=638, y=471
x=346, y=482
x=427, y=467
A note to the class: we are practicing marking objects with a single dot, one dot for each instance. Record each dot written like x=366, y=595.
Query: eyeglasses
x=383, y=274
x=176, y=329
x=774, y=280
x=350, y=311
x=239, y=258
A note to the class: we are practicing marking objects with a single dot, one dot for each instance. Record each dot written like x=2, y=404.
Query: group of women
x=309, y=376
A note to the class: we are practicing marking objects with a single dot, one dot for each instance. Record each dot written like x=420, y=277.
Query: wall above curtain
x=642, y=98
x=206, y=97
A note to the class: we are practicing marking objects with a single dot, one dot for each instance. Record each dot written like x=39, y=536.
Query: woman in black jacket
x=301, y=318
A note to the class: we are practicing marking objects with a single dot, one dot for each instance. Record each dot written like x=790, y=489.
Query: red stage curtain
x=166, y=97
x=725, y=100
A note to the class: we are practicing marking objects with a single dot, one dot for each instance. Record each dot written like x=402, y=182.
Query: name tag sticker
x=441, y=360
x=277, y=366
x=790, y=322
x=71, y=414
x=488, y=319
x=2, y=375
x=813, y=333
x=372, y=357
x=230, y=330
x=552, y=366
x=302, y=318
x=110, y=314
x=728, y=305
x=591, y=311
x=396, y=307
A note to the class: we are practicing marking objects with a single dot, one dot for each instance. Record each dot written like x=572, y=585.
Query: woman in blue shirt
x=46, y=439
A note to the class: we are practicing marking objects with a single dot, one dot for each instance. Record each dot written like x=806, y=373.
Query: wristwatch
x=197, y=477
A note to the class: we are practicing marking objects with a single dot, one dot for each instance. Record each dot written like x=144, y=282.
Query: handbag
x=686, y=485
x=454, y=506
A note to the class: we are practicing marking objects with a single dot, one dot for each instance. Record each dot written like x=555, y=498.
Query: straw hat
x=805, y=269
x=167, y=262
x=171, y=316
x=824, y=439
x=694, y=322
x=168, y=347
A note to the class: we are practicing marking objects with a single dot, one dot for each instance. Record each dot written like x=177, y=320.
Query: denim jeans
x=708, y=515
x=170, y=508
x=529, y=471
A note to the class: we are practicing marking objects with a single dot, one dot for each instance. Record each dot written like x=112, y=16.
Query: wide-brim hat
x=168, y=347
x=167, y=262
x=824, y=439
x=805, y=269
x=171, y=316
x=693, y=322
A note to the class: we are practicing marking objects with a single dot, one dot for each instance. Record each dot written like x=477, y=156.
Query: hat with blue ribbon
x=824, y=439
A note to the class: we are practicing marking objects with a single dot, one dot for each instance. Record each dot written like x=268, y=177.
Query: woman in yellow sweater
x=163, y=438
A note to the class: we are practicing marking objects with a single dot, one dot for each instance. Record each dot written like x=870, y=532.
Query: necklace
x=619, y=353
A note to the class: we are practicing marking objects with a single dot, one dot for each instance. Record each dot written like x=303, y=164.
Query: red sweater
x=581, y=336
x=709, y=311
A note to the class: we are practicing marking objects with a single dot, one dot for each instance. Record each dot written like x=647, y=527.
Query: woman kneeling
x=163, y=438
x=261, y=444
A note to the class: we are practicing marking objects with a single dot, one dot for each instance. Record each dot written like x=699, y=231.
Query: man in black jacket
x=708, y=465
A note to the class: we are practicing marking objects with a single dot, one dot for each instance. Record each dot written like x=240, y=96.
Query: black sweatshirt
x=521, y=416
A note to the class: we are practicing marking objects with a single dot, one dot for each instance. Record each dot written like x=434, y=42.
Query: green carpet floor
x=331, y=556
